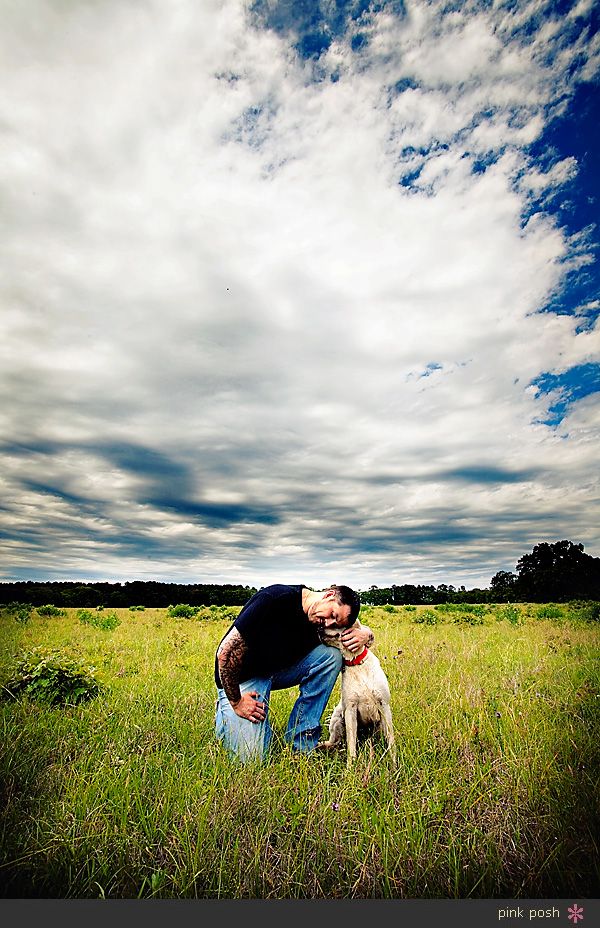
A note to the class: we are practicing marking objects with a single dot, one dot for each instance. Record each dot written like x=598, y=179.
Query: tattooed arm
x=230, y=656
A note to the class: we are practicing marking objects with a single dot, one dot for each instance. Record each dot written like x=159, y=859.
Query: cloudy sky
x=297, y=291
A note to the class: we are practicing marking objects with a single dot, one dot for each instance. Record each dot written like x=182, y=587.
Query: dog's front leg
x=388, y=731
x=351, y=720
x=336, y=729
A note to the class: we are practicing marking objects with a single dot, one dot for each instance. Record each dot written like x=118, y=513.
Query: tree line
x=151, y=593
x=557, y=572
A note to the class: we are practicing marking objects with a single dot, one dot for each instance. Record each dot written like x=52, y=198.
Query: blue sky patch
x=568, y=387
x=575, y=134
x=430, y=369
x=317, y=24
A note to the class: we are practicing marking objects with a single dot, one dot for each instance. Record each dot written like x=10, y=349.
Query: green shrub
x=85, y=616
x=107, y=621
x=586, y=611
x=389, y=608
x=428, y=617
x=52, y=676
x=469, y=618
x=510, y=614
x=50, y=611
x=137, y=608
x=549, y=611
x=21, y=612
x=22, y=616
x=183, y=611
x=593, y=612
x=223, y=612
x=472, y=608
x=410, y=608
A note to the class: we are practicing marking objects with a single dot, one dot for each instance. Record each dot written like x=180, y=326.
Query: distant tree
x=558, y=572
x=445, y=593
x=376, y=596
x=407, y=594
x=503, y=586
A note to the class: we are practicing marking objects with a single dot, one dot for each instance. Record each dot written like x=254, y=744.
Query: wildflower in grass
x=335, y=806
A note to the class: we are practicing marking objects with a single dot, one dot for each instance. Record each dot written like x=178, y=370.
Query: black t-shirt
x=276, y=630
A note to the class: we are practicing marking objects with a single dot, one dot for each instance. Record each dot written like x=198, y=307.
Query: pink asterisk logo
x=576, y=913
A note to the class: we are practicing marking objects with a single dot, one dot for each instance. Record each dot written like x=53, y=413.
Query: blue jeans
x=315, y=674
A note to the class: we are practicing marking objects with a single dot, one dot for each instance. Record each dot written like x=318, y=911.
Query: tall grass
x=496, y=793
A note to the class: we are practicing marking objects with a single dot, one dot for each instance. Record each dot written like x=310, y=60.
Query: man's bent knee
x=327, y=657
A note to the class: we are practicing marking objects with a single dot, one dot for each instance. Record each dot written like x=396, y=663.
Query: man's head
x=335, y=607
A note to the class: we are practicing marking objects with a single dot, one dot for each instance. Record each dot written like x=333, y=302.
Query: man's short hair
x=347, y=597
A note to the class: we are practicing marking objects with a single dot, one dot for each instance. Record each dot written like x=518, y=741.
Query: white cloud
x=559, y=174
x=210, y=255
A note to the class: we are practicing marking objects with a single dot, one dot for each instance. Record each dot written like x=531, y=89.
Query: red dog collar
x=357, y=660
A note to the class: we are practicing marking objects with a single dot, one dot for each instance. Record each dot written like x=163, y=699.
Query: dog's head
x=331, y=637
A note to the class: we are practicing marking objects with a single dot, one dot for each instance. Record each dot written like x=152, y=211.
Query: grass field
x=496, y=793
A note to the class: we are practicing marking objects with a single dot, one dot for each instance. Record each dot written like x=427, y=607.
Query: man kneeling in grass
x=274, y=644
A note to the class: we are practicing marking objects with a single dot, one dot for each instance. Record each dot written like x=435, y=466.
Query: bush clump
x=592, y=612
x=223, y=612
x=202, y=613
x=183, y=611
x=50, y=611
x=586, y=611
x=21, y=612
x=52, y=677
x=510, y=614
x=469, y=618
x=549, y=611
x=106, y=620
x=22, y=616
x=428, y=617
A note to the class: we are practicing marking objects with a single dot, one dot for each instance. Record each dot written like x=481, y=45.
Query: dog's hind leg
x=336, y=730
x=388, y=731
x=351, y=720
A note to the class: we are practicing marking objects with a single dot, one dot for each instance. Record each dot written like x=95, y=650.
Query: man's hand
x=248, y=707
x=356, y=638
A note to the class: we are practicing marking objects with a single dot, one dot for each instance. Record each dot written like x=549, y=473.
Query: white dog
x=365, y=699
